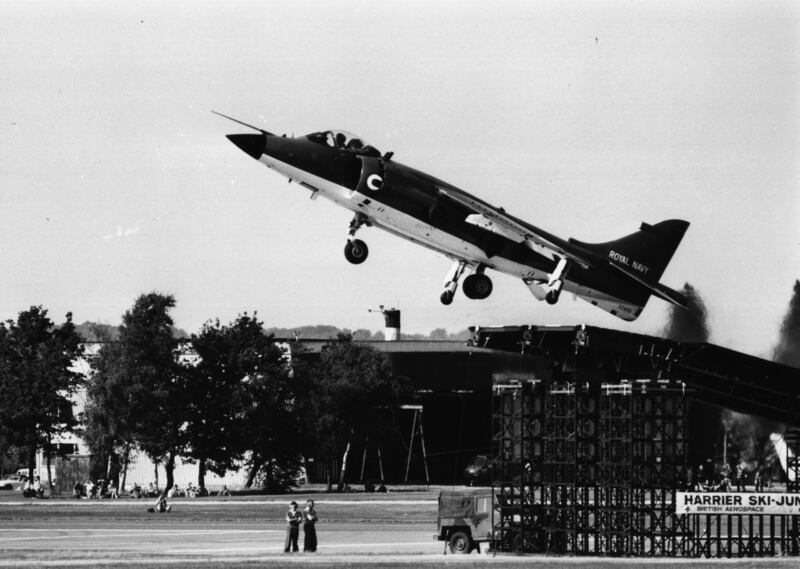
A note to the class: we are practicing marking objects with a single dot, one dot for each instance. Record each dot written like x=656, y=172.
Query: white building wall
x=141, y=471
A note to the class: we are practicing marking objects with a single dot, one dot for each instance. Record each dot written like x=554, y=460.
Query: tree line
x=224, y=397
x=97, y=332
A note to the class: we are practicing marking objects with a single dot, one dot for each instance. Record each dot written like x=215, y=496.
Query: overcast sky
x=583, y=118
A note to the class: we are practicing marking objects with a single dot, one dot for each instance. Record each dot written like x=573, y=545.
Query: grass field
x=355, y=530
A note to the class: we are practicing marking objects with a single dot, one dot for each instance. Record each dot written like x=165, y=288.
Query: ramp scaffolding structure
x=586, y=468
x=589, y=469
x=713, y=374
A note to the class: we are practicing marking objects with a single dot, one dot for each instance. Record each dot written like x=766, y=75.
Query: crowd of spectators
x=108, y=489
x=191, y=491
x=706, y=478
x=33, y=489
x=95, y=489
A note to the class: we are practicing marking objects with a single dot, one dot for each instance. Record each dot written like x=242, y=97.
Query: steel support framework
x=792, y=439
x=593, y=469
x=515, y=436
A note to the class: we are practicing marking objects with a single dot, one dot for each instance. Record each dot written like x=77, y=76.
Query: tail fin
x=645, y=253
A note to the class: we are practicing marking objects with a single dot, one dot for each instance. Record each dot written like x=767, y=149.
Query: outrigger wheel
x=552, y=296
x=447, y=297
x=356, y=251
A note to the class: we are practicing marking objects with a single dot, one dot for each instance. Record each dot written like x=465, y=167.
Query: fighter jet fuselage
x=618, y=276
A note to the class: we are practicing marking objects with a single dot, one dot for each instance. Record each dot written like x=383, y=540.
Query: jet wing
x=521, y=232
x=498, y=221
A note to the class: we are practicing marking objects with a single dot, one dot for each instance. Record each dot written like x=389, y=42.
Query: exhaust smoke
x=759, y=441
x=788, y=349
x=787, y=352
x=688, y=324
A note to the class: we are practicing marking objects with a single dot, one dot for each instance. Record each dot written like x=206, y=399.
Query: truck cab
x=465, y=518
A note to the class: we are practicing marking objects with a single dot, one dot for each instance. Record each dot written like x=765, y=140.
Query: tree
x=352, y=392
x=242, y=400
x=108, y=420
x=438, y=334
x=36, y=380
x=155, y=390
x=748, y=438
x=363, y=335
x=11, y=457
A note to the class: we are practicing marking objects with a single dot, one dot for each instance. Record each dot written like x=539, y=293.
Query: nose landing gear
x=355, y=250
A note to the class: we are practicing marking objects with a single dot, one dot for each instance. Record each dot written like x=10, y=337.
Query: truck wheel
x=460, y=543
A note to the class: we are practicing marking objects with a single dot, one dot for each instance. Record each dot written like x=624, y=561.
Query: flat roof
x=389, y=346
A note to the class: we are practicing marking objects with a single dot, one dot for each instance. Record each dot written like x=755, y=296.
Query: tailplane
x=643, y=255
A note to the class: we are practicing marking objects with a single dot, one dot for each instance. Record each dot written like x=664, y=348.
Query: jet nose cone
x=252, y=144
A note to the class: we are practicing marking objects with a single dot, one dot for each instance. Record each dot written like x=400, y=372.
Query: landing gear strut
x=556, y=281
x=355, y=250
x=451, y=282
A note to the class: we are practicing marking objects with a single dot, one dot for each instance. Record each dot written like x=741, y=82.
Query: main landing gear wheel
x=447, y=297
x=477, y=286
x=356, y=251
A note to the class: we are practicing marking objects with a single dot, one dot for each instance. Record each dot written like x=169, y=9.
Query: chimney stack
x=391, y=318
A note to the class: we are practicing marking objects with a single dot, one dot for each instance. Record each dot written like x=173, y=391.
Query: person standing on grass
x=293, y=519
x=309, y=527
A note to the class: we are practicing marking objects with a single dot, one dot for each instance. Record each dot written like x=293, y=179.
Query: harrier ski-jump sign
x=737, y=503
x=618, y=276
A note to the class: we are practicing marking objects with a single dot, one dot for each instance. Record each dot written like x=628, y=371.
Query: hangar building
x=454, y=383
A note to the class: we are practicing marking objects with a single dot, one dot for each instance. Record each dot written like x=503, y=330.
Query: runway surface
x=64, y=532
x=354, y=531
x=182, y=542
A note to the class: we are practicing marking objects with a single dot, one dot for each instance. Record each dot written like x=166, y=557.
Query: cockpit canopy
x=339, y=139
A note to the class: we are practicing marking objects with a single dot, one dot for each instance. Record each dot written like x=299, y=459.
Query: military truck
x=465, y=518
